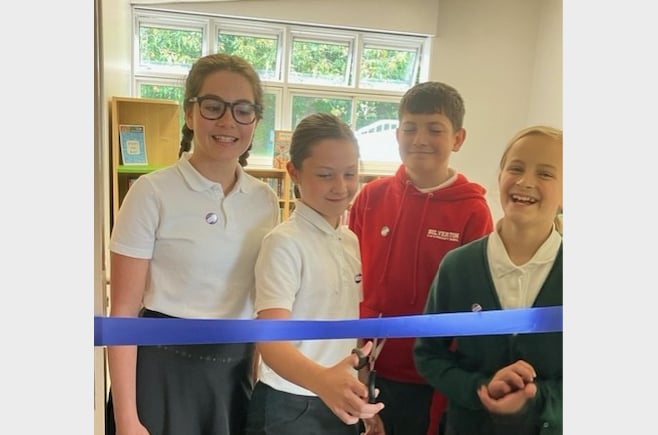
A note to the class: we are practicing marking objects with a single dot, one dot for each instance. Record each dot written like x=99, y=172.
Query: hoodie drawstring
x=416, y=249
x=384, y=276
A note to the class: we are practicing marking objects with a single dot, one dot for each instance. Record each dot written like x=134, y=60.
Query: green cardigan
x=462, y=280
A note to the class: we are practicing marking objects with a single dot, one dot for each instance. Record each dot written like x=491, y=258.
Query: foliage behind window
x=160, y=46
x=260, y=52
x=356, y=75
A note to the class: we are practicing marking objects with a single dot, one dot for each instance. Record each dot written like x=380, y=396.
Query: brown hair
x=314, y=128
x=552, y=133
x=201, y=69
x=434, y=97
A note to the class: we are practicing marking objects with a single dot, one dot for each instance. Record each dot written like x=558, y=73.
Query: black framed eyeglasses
x=212, y=107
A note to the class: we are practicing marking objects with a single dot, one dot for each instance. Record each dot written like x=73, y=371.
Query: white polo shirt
x=314, y=270
x=202, y=244
x=518, y=286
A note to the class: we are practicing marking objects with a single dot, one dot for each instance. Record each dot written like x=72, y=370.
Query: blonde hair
x=552, y=133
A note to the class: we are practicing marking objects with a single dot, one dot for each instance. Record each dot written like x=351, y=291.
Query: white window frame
x=323, y=36
x=166, y=21
x=236, y=27
x=400, y=43
x=212, y=25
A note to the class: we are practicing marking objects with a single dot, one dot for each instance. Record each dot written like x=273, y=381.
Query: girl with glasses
x=184, y=245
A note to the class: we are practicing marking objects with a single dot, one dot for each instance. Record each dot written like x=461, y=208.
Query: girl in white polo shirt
x=309, y=267
x=184, y=245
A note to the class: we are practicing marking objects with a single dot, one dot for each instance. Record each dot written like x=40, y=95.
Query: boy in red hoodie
x=405, y=224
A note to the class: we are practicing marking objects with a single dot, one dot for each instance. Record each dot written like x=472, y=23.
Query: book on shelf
x=281, y=148
x=275, y=183
x=133, y=144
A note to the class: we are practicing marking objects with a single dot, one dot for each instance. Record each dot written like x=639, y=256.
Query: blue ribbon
x=166, y=331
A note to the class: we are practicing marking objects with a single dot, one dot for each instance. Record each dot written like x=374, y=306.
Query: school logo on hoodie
x=443, y=235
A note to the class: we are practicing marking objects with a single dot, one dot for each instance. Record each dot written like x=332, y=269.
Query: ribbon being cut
x=110, y=331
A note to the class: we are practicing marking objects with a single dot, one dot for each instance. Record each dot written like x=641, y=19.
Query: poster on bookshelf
x=281, y=148
x=133, y=144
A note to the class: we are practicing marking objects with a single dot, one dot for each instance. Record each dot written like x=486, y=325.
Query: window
x=384, y=66
x=357, y=75
x=262, y=46
x=320, y=61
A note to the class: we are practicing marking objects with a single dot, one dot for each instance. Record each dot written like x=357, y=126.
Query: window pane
x=263, y=142
x=319, y=62
x=160, y=46
x=304, y=105
x=167, y=92
x=376, y=123
x=368, y=111
x=260, y=51
x=385, y=68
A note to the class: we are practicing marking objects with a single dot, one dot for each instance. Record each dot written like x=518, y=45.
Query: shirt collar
x=452, y=177
x=199, y=183
x=314, y=218
x=501, y=264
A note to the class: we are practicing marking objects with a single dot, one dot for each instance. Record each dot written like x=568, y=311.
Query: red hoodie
x=404, y=234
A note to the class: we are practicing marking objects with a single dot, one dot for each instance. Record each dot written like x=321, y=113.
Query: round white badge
x=211, y=218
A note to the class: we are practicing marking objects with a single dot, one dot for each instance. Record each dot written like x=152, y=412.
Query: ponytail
x=186, y=140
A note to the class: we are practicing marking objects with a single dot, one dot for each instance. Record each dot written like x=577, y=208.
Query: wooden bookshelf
x=279, y=180
x=160, y=119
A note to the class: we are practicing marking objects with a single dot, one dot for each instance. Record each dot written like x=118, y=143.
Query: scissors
x=369, y=361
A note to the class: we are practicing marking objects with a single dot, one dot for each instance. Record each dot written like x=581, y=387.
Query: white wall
x=546, y=86
x=412, y=16
x=112, y=50
x=497, y=54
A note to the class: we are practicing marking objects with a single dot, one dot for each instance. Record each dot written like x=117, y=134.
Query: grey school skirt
x=191, y=389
